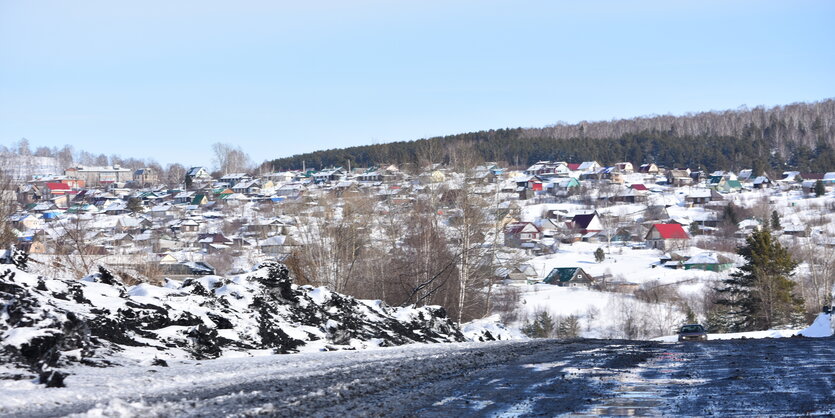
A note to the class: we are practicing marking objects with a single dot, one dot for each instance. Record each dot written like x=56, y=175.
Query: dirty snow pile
x=822, y=327
x=46, y=324
x=490, y=329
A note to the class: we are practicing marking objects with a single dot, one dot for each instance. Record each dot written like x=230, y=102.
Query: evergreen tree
x=760, y=295
x=820, y=189
x=693, y=229
x=599, y=255
x=690, y=316
x=775, y=221
x=569, y=327
x=720, y=320
x=135, y=205
x=543, y=325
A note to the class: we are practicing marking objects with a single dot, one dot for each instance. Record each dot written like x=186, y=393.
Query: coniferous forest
x=793, y=137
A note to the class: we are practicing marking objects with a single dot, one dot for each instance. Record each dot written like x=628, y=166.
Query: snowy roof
x=115, y=206
x=705, y=216
x=245, y=184
x=708, y=257
x=232, y=176
x=748, y=223
x=275, y=240
x=699, y=193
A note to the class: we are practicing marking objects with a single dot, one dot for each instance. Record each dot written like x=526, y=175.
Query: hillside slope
x=799, y=136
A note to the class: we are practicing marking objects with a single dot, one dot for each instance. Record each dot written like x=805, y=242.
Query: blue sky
x=166, y=79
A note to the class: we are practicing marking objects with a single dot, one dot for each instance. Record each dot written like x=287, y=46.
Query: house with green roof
x=710, y=261
x=568, y=277
x=723, y=185
x=199, y=199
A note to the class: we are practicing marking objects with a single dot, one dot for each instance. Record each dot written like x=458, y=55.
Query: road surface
x=789, y=376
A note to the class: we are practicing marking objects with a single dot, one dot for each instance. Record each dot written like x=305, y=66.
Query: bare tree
x=65, y=157
x=8, y=206
x=101, y=160
x=175, y=174
x=474, y=257
x=818, y=282
x=22, y=147
x=333, y=241
x=74, y=248
x=230, y=159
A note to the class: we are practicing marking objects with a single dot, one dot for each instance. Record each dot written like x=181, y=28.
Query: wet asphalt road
x=779, y=377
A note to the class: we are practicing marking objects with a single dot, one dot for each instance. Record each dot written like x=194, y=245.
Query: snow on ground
x=601, y=314
x=632, y=264
x=478, y=329
x=92, y=383
x=48, y=324
x=822, y=327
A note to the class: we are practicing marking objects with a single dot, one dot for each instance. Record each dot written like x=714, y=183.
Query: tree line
x=793, y=137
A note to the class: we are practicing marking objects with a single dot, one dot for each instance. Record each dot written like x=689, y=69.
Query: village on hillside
x=597, y=229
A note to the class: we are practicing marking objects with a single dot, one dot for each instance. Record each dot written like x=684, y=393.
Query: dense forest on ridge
x=799, y=137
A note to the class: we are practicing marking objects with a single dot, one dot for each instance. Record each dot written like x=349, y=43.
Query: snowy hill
x=49, y=323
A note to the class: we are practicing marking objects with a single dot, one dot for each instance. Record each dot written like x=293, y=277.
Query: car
x=692, y=332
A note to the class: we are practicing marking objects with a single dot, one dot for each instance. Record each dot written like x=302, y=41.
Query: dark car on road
x=692, y=332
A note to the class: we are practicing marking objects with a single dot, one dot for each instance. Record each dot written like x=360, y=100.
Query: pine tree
x=599, y=255
x=775, y=221
x=543, y=325
x=720, y=320
x=569, y=327
x=693, y=229
x=135, y=205
x=760, y=295
x=820, y=189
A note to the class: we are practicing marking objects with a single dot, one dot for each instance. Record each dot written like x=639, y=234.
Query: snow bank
x=490, y=329
x=50, y=323
x=822, y=327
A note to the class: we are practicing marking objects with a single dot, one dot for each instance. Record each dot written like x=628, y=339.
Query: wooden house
x=586, y=223
x=709, y=261
x=568, y=277
x=667, y=236
x=518, y=233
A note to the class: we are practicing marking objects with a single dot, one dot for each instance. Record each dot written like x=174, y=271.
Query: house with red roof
x=56, y=189
x=667, y=237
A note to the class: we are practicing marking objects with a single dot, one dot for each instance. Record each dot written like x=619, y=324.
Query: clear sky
x=166, y=79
